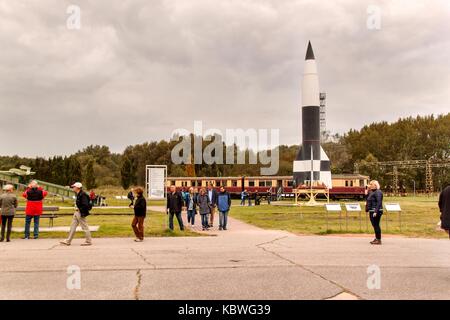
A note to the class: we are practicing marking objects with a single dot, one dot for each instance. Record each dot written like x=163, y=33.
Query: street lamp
x=414, y=184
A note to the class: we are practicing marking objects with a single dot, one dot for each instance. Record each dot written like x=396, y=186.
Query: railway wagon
x=345, y=186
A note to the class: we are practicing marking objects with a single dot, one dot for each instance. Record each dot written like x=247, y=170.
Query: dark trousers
x=376, y=223
x=191, y=216
x=28, y=223
x=205, y=222
x=6, y=223
x=223, y=219
x=138, y=227
x=180, y=220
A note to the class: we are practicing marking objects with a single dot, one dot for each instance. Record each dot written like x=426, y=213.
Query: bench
x=48, y=213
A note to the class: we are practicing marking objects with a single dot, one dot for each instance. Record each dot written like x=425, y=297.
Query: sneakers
x=138, y=240
x=66, y=243
x=85, y=244
x=375, y=242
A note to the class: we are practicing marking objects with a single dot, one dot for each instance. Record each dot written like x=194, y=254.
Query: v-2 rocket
x=311, y=159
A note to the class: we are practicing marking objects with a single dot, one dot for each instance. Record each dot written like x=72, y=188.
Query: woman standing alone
x=374, y=207
x=140, y=212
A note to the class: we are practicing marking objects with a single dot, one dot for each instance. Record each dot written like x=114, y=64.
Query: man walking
x=223, y=204
x=174, y=207
x=444, y=208
x=33, y=211
x=212, y=195
x=83, y=204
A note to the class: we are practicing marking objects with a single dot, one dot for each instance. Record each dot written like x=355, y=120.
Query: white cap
x=8, y=187
x=77, y=185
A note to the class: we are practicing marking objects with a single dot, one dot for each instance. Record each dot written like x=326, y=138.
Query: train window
x=361, y=183
x=268, y=183
x=172, y=182
x=290, y=183
x=262, y=183
x=218, y=184
x=225, y=183
x=199, y=183
x=251, y=183
x=349, y=183
x=184, y=183
x=234, y=183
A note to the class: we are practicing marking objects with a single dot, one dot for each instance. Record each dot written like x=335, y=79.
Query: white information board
x=333, y=207
x=156, y=177
x=355, y=207
x=393, y=207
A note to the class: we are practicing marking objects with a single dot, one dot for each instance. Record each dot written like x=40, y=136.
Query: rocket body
x=311, y=163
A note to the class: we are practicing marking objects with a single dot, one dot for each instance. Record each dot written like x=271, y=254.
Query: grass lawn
x=419, y=218
x=110, y=226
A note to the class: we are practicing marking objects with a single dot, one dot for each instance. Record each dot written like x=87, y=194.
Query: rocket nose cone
x=309, y=52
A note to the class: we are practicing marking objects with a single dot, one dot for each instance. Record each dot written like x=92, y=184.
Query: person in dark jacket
x=35, y=196
x=84, y=205
x=174, y=207
x=374, y=206
x=224, y=205
x=130, y=197
x=8, y=203
x=204, y=208
x=212, y=195
x=444, y=208
x=191, y=206
x=140, y=212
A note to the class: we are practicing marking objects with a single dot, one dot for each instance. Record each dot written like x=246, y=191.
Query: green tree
x=126, y=173
x=90, y=176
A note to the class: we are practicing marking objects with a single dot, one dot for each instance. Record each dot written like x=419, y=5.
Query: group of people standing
x=33, y=210
x=204, y=202
x=199, y=201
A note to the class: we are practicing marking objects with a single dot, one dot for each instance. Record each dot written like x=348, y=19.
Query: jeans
x=191, y=216
x=205, y=221
x=28, y=223
x=242, y=201
x=376, y=223
x=79, y=220
x=180, y=220
x=7, y=223
x=223, y=219
x=138, y=227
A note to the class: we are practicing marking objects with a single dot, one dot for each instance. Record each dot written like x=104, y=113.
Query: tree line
x=412, y=138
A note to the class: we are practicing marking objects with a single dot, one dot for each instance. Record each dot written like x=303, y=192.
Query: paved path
x=244, y=262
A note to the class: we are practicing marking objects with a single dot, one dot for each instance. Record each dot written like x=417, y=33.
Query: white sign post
x=353, y=207
x=156, y=177
x=394, y=207
x=334, y=207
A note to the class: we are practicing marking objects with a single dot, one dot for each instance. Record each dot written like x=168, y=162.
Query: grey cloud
x=137, y=70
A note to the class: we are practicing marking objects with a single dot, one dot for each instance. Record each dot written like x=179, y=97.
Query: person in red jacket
x=33, y=211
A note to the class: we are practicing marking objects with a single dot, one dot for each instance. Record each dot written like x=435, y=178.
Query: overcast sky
x=136, y=70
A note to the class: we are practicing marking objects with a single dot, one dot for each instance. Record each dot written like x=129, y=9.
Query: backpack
x=91, y=203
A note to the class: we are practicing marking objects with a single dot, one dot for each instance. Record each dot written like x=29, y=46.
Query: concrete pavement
x=244, y=262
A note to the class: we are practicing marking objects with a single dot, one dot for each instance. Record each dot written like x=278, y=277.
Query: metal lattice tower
x=410, y=164
x=395, y=179
x=429, y=178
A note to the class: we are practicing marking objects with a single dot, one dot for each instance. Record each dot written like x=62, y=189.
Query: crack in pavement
x=344, y=289
x=144, y=258
x=154, y=269
x=138, y=285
